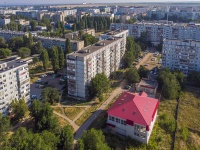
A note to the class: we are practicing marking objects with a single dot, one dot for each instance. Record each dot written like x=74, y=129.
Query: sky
x=2, y=2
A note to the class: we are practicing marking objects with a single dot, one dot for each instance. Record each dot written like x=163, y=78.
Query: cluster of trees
x=89, y=39
x=50, y=95
x=5, y=52
x=98, y=23
x=47, y=133
x=171, y=83
x=92, y=139
x=99, y=85
x=132, y=51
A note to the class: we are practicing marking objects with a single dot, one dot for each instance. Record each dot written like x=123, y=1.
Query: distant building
x=48, y=42
x=9, y=34
x=115, y=33
x=14, y=84
x=181, y=55
x=147, y=85
x=104, y=56
x=156, y=32
x=28, y=14
x=4, y=21
x=75, y=35
x=133, y=116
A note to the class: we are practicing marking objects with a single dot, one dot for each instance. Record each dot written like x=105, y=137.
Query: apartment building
x=133, y=116
x=14, y=83
x=181, y=55
x=75, y=35
x=104, y=56
x=115, y=33
x=48, y=42
x=9, y=34
x=156, y=32
x=4, y=21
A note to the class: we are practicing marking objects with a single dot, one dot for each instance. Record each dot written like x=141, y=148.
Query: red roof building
x=133, y=115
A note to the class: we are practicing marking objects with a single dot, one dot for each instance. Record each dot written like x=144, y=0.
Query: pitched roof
x=137, y=108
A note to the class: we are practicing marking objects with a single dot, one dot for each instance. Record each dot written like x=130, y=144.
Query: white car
x=153, y=59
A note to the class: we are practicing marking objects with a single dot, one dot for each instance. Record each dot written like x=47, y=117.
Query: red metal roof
x=137, y=108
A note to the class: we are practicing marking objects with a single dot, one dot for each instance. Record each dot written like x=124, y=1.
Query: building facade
x=14, y=84
x=181, y=55
x=9, y=34
x=4, y=21
x=133, y=116
x=157, y=32
x=104, y=56
x=48, y=42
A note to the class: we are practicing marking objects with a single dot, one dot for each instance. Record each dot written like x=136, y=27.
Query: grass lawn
x=57, y=109
x=33, y=79
x=72, y=112
x=188, y=119
x=87, y=113
x=62, y=122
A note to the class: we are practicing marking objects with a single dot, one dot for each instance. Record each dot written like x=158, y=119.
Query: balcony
x=70, y=61
x=71, y=77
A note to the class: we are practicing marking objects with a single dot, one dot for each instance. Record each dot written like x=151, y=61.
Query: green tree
x=50, y=95
x=74, y=27
x=61, y=58
x=35, y=59
x=4, y=126
x=33, y=25
x=15, y=43
x=5, y=52
x=37, y=48
x=24, y=52
x=132, y=75
x=54, y=58
x=89, y=39
x=2, y=42
x=19, y=109
x=128, y=59
x=28, y=40
x=143, y=72
x=99, y=85
x=45, y=59
x=43, y=116
x=66, y=138
x=94, y=140
x=68, y=47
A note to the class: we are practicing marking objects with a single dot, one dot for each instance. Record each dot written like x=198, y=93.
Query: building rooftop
x=11, y=65
x=56, y=39
x=134, y=108
x=148, y=83
x=93, y=48
x=186, y=40
x=115, y=32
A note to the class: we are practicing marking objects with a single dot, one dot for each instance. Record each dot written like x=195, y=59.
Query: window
x=113, y=119
x=110, y=117
x=117, y=120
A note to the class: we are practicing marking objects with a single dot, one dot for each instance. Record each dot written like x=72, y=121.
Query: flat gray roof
x=92, y=48
x=114, y=32
x=12, y=64
x=148, y=83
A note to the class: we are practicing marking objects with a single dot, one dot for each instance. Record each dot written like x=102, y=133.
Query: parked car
x=127, y=87
x=146, y=65
x=39, y=81
x=153, y=59
x=33, y=96
x=43, y=75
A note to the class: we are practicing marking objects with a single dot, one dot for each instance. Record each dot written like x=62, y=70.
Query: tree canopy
x=92, y=139
x=143, y=72
x=19, y=109
x=5, y=52
x=99, y=85
x=43, y=116
x=132, y=75
x=24, y=52
x=50, y=95
x=45, y=59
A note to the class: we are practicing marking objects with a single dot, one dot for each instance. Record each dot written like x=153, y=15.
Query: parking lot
x=47, y=81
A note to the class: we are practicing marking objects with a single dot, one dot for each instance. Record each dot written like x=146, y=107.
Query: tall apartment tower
x=102, y=57
x=14, y=84
x=181, y=55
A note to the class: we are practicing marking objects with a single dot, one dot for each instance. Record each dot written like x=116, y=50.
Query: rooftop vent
x=134, y=113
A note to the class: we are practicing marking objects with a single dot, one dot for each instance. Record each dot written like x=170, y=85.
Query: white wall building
x=156, y=32
x=133, y=115
x=116, y=33
x=9, y=34
x=104, y=56
x=14, y=83
x=181, y=55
